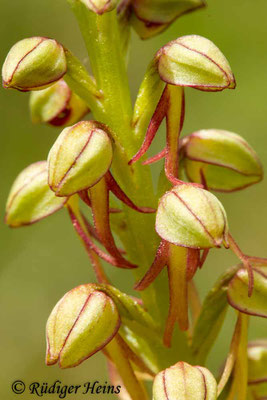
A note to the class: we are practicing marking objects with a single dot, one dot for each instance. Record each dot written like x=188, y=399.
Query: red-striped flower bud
x=33, y=64
x=224, y=160
x=191, y=217
x=79, y=158
x=30, y=198
x=183, y=381
x=57, y=105
x=81, y=324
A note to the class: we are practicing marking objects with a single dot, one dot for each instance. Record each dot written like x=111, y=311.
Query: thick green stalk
x=102, y=40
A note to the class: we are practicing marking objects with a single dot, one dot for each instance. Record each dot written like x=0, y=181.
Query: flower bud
x=81, y=324
x=191, y=217
x=257, y=361
x=196, y=62
x=183, y=381
x=79, y=158
x=153, y=16
x=30, y=198
x=238, y=292
x=224, y=159
x=33, y=64
x=156, y=11
x=100, y=6
x=57, y=105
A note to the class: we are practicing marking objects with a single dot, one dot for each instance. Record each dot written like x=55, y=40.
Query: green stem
x=81, y=82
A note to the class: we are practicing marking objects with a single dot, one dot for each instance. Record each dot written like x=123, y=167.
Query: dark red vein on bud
x=196, y=217
x=119, y=193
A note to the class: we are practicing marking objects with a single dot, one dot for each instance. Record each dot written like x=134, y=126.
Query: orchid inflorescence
x=102, y=163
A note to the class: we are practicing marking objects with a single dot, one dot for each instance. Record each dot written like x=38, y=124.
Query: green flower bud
x=79, y=158
x=57, y=105
x=30, y=198
x=196, y=62
x=33, y=64
x=191, y=217
x=238, y=292
x=100, y=6
x=158, y=12
x=224, y=159
x=183, y=381
x=257, y=361
x=81, y=324
x=153, y=16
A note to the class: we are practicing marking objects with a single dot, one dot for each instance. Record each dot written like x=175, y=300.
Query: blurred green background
x=40, y=263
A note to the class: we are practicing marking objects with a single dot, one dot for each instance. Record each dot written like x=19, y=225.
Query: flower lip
x=227, y=78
